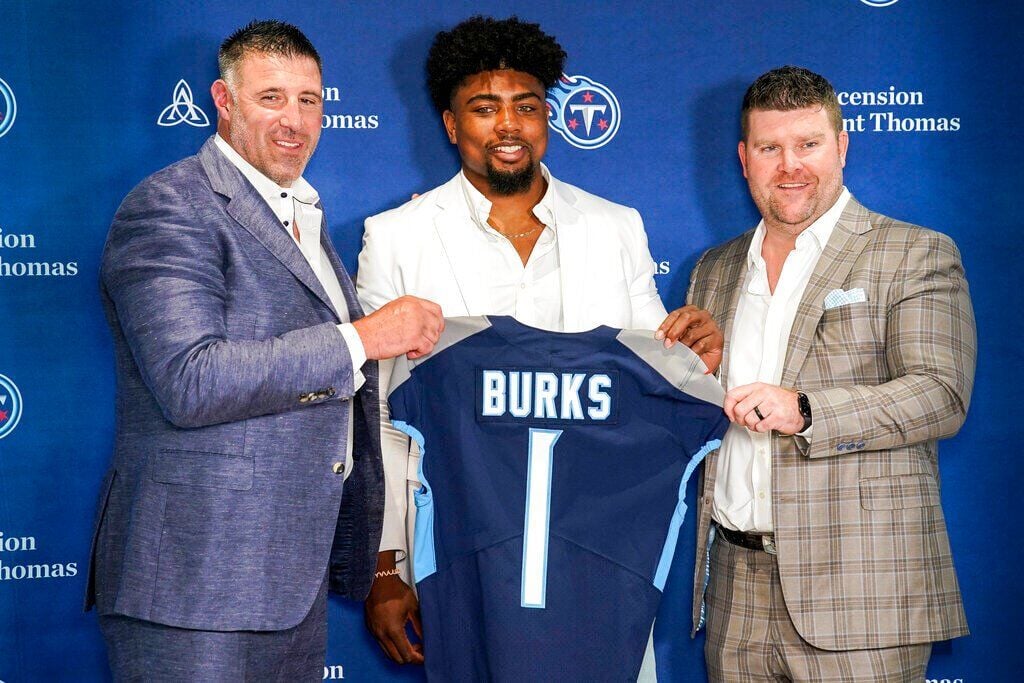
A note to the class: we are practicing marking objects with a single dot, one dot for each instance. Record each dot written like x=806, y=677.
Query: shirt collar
x=301, y=190
x=480, y=206
x=816, y=234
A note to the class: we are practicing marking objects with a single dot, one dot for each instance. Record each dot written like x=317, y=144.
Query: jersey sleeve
x=703, y=411
x=404, y=395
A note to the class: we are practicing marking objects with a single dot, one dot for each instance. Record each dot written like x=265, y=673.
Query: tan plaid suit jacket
x=863, y=553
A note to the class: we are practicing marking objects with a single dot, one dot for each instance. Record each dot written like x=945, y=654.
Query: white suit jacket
x=427, y=248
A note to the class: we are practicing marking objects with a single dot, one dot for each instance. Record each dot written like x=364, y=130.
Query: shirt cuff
x=355, y=351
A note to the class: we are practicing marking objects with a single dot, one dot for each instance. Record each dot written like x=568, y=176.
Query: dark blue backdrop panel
x=84, y=87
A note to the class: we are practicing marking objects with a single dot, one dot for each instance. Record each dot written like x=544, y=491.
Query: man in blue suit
x=246, y=395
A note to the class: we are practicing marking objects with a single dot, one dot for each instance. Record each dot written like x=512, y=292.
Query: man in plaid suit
x=850, y=350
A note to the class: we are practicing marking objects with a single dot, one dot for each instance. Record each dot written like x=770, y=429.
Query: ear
x=222, y=99
x=449, y=126
x=844, y=144
x=741, y=149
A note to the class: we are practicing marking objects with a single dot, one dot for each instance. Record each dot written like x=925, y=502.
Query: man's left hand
x=779, y=408
x=697, y=329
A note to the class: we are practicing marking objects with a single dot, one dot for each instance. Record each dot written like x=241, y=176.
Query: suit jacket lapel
x=572, y=236
x=844, y=247
x=249, y=209
x=348, y=288
x=454, y=226
x=727, y=297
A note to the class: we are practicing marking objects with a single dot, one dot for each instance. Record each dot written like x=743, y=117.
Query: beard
x=283, y=171
x=507, y=183
x=795, y=218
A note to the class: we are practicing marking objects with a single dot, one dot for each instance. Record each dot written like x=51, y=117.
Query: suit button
x=304, y=399
x=841, y=447
x=331, y=392
x=860, y=444
x=338, y=467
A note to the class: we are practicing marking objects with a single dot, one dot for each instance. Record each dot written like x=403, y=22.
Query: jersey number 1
x=538, y=516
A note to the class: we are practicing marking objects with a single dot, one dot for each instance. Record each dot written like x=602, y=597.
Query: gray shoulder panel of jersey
x=455, y=330
x=680, y=366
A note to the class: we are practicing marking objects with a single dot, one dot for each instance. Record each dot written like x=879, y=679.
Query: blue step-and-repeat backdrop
x=94, y=96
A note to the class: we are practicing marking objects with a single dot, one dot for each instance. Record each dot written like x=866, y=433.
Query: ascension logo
x=8, y=107
x=584, y=112
x=182, y=109
x=879, y=3
x=10, y=406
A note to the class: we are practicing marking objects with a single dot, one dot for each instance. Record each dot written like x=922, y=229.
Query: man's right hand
x=389, y=606
x=408, y=325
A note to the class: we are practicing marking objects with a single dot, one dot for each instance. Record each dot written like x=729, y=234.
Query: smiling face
x=793, y=162
x=271, y=112
x=499, y=121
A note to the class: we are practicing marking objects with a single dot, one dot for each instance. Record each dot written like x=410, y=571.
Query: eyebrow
x=491, y=97
x=279, y=89
x=760, y=142
x=525, y=96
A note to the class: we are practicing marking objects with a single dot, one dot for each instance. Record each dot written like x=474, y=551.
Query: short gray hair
x=268, y=37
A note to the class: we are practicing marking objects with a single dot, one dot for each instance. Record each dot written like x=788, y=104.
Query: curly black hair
x=487, y=44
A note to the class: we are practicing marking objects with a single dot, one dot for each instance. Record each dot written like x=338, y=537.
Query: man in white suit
x=503, y=237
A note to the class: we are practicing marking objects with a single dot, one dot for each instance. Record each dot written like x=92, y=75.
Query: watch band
x=804, y=406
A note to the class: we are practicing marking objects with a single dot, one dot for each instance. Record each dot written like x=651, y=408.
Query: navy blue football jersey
x=553, y=470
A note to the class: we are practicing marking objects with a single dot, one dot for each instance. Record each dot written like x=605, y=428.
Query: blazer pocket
x=210, y=470
x=857, y=324
x=899, y=492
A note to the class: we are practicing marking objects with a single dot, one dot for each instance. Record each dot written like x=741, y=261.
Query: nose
x=508, y=122
x=789, y=161
x=291, y=117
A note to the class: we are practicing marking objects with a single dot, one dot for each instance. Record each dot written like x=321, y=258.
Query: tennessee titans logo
x=10, y=405
x=182, y=109
x=879, y=3
x=584, y=112
x=8, y=107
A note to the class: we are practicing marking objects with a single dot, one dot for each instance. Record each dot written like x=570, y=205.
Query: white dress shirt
x=530, y=293
x=757, y=352
x=297, y=204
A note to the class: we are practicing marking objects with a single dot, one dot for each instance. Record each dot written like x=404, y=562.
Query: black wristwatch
x=805, y=409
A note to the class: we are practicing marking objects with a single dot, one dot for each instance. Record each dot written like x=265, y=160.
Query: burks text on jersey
x=547, y=395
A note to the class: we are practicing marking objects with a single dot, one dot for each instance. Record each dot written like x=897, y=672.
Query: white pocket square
x=839, y=297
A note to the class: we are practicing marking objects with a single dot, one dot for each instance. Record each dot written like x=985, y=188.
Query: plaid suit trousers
x=750, y=636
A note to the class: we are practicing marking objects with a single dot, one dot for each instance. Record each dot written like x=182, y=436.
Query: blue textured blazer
x=223, y=506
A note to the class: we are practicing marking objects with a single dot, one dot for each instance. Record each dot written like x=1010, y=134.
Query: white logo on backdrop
x=182, y=109
x=879, y=3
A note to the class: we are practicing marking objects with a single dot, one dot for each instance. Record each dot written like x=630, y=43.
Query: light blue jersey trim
x=669, y=549
x=425, y=558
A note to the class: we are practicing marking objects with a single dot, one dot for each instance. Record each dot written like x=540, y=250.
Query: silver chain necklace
x=518, y=234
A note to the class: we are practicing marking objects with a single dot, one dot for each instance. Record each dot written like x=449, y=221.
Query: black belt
x=763, y=542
